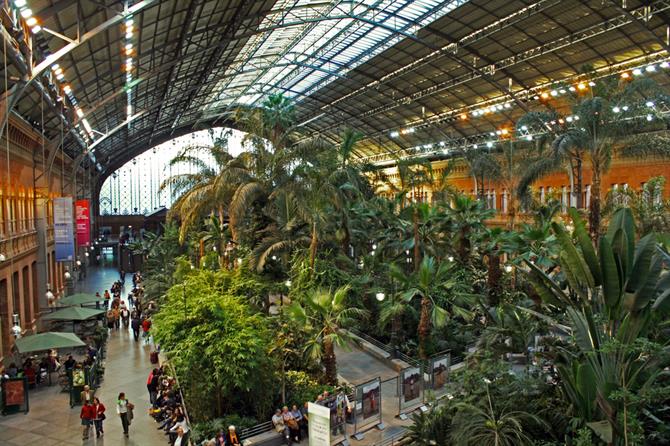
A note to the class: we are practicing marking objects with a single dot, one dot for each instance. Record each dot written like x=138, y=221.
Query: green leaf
x=643, y=253
x=439, y=316
x=610, y=278
x=586, y=385
x=662, y=303
x=586, y=246
x=572, y=259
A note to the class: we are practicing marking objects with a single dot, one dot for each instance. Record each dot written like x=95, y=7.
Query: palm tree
x=266, y=166
x=467, y=216
x=491, y=424
x=325, y=313
x=286, y=232
x=392, y=312
x=427, y=283
x=615, y=117
x=201, y=192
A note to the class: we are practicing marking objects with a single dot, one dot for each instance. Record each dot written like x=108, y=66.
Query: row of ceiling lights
x=27, y=15
x=579, y=87
x=128, y=51
x=31, y=21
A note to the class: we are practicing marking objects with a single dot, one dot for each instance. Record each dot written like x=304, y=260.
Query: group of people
x=293, y=423
x=35, y=372
x=166, y=407
x=138, y=316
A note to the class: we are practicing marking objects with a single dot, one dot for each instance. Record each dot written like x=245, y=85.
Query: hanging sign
x=63, y=229
x=319, y=425
x=83, y=222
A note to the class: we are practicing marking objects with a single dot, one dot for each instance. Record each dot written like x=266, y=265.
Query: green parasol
x=79, y=299
x=72, y=314
x=47, y=341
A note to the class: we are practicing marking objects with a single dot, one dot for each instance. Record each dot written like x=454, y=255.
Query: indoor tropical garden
x=274, y=261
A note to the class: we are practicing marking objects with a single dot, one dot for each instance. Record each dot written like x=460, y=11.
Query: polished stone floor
x=52, y=422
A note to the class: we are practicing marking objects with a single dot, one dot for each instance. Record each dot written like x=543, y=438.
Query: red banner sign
x=83, y=221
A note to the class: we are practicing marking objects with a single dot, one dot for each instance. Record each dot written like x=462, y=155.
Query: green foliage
x=431, y=428
x=611, y=297
x=206, y=430
x=325, y=314
x=650, y=209
x=301, y=387
x=217, y=345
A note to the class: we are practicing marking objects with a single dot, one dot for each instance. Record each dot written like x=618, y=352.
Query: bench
x=269, y=438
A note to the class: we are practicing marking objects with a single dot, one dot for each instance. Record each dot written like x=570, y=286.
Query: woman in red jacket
x=87, y=415
x=98, y=416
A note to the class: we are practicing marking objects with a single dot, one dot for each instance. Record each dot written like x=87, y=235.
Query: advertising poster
x=439, y=373
x=83, y=222
x=411, y=385
x=371, y=400
x=63, y=229
x=319, y=425
x=14, y=392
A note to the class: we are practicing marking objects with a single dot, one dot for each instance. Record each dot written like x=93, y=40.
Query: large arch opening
x=135, y=187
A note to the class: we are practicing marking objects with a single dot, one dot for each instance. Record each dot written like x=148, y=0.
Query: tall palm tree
x=325, y=313
x=199, y=193
x=427, y=283
x=614, y=117
x=286, y=232
x=467, y=216
x=266, y=166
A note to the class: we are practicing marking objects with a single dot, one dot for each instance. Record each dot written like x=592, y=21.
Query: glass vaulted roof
x=306, y=44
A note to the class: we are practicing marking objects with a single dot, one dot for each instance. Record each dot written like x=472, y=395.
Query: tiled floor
x=52, y=422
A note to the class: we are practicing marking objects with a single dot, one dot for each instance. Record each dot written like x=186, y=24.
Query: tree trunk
x=511, y=211
x=313, y=247
x=329, y=361
x=494, y=282
x=594, y=207
x=417, y=251
x=579, y=185
x=283, y=382
x=463, y=245
x=396, y=327
x=424, y=327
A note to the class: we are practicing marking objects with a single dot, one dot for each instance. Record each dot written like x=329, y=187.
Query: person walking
x=124, y=409
x=135, y=324
x=98, y=417
x=87, y=415
x=86, y=395
x=117, y=317
x=122, y=275
x=108, y=297
x=125, y=316
x=146, y=326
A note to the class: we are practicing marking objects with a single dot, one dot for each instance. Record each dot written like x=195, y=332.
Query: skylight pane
x=319, y=38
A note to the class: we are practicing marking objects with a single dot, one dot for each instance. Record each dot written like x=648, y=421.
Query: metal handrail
x=256, y=430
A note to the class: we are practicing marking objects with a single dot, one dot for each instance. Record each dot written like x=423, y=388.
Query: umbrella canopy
x=47, y=341
x=72, y=314
x=79, y=299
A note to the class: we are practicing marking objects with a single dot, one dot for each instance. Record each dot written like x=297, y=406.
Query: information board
x=319, y=425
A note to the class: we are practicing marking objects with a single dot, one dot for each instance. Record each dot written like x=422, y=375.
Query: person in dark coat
x=136, y=324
